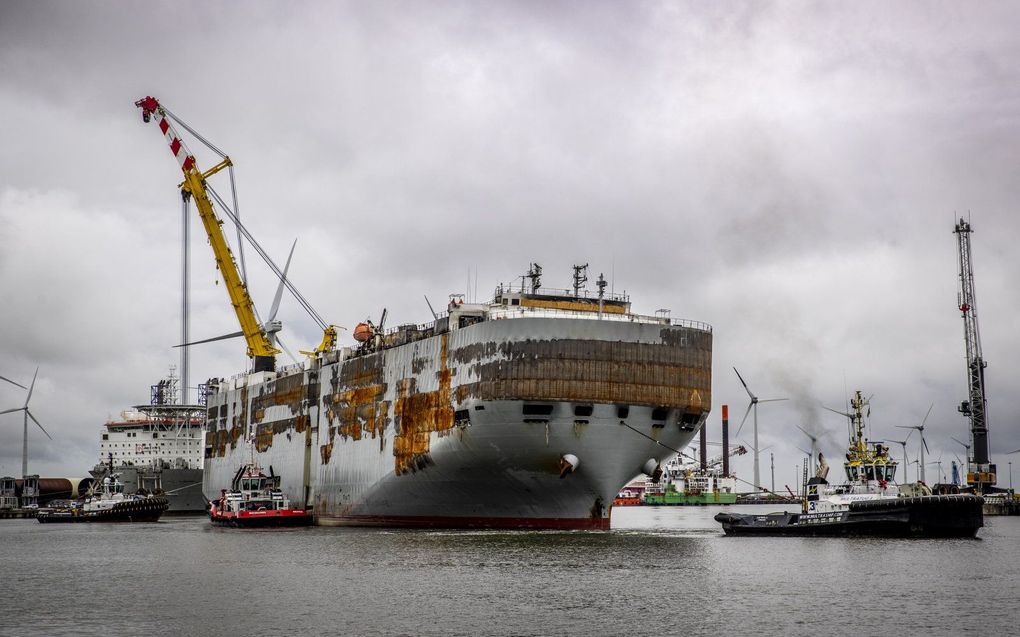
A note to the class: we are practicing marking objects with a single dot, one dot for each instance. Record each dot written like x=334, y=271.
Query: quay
x=7, y=514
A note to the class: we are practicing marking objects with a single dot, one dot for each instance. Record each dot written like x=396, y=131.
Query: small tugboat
x=631, y=494
x=870, y=503
x=255, y=500
x=108, y=503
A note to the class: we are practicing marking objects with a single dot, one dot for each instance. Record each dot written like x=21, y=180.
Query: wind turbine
x=966, y=447
x=28, y=414
x=924, y=445
x=918, y=471
x=271, y=326
x=942, y=477
x=13, y=383
x=814, y=448
x=906, y=464
x=754, y=403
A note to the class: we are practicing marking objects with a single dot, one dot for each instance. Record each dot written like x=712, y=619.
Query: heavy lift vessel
x=531, y=410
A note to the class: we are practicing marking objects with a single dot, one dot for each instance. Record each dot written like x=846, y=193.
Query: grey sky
x=786, y=172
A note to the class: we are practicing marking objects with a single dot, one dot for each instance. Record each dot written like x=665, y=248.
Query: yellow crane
x=260, y=345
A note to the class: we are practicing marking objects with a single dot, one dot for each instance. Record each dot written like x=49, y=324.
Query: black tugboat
x=869, y=504
x=108, y=503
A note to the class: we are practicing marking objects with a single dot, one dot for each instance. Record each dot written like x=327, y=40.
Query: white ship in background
x=158, y=448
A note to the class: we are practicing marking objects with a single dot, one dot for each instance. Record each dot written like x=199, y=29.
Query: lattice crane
x=261, y=347
x=980, y=473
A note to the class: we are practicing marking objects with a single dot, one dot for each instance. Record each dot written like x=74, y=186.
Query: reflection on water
x=664, y=570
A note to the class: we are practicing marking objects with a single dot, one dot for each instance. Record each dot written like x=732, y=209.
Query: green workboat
x=691, y=489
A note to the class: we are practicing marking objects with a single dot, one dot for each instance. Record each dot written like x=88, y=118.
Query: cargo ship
x=531, y=410
x=158, y=448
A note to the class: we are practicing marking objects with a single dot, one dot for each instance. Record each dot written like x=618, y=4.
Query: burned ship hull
x=491, y=417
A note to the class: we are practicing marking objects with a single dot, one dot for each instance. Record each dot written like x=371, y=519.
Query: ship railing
x=504, y=288
x=533, y=312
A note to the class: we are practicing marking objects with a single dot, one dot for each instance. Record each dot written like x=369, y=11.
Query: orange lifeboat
x=363, y=332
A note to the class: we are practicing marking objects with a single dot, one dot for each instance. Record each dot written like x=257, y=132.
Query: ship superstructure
x=159, y=448
x=685, y=482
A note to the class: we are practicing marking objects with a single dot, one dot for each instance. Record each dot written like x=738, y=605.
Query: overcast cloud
x=789, y=173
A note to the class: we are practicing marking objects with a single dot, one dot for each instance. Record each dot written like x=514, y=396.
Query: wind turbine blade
x=210, y=340
x=911, y=427
x=927, y=414
x=926, y=445
x=11, y=411
x=959, y=443
x=283, y=283
x=749, y=405
x=284, y=348
x=31, y=387
x=39, y=425
x=743, y=383
x=813, y=439
x=1008, y=453
x=836, y=411
x=771, y=400
x=13, y=383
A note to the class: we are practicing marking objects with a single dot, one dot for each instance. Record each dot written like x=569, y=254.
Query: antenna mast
x=535, y=274
x=580, y=278
x=980, y=474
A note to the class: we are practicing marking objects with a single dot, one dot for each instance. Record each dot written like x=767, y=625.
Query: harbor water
x=660, y=570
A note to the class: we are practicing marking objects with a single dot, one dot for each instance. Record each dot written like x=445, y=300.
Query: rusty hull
x=434, y=432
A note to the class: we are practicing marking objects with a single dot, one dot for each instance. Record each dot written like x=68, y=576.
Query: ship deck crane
x=715, y=462
x=980, y=473
x=711, y=464
x=260, y=346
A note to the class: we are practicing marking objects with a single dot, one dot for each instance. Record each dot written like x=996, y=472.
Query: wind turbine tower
x=753, y=404
x=28, y=414
x=924, y=444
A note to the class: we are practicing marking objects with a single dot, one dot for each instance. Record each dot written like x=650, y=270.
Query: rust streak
x=419, y=414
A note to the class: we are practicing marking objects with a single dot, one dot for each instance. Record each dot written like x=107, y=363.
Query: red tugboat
x=255, y=500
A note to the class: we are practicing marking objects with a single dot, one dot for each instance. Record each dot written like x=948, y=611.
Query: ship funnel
x=568, y=464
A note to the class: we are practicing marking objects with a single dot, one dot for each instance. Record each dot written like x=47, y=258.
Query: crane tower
x=980, y=473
